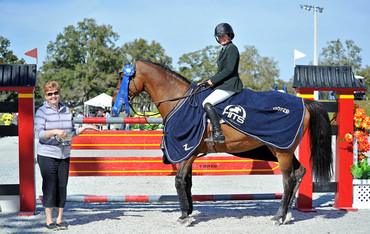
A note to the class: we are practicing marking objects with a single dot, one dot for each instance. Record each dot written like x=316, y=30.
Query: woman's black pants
x=54, y=173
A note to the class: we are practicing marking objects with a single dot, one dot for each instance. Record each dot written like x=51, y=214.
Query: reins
x=192, y=101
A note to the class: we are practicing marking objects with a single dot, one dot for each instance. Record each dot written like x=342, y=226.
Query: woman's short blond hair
x=51, y=85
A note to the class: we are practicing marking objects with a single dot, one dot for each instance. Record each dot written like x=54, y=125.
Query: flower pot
x=361, y=194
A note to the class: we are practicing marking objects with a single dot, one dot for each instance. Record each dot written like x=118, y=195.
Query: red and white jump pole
x=173, y=198
x=117, y=120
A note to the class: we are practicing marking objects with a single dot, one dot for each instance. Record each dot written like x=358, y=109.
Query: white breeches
x=218, y=96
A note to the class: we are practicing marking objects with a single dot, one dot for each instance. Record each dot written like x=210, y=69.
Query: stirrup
x=215, y=136
x=217, y=139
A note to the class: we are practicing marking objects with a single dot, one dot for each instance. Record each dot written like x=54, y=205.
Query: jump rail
x=116, y=120
x=173, y=198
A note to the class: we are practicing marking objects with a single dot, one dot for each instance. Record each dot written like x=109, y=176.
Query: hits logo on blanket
x=235, y=112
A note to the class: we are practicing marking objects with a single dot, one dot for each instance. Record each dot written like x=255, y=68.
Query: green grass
x=364, y=104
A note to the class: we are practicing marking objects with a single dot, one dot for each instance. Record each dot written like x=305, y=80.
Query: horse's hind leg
x=183, y=183
x=289, y=183
x=299, y=172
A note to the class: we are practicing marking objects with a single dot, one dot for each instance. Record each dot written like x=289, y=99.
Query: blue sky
x=274, y=27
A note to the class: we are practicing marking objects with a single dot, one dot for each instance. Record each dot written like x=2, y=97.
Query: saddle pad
x=271, y=117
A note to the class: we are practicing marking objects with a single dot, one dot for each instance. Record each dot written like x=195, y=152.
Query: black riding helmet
x=224, y=28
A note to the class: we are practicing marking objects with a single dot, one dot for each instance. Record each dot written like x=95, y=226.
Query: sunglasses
x=51, y=94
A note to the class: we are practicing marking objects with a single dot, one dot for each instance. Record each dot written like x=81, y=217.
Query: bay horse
x=165, y=86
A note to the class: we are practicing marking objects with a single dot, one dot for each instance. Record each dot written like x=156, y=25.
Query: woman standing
x=54, y=128
x=226, y=81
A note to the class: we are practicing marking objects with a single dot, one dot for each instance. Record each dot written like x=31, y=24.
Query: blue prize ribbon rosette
x=122, y=96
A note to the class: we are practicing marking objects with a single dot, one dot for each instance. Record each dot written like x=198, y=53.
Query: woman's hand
x=88, y=127
x=59, y=132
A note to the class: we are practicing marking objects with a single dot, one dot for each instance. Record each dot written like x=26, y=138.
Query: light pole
x=315, y=9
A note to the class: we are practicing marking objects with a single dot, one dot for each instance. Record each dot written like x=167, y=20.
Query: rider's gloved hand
x=205, y=84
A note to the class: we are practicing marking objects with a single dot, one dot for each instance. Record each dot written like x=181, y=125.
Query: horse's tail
x=320, y=133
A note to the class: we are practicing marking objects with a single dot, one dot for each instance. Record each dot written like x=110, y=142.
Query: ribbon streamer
x=122, y=96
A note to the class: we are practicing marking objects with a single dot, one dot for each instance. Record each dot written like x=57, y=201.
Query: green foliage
x=84, y=60
x=365, y=72
x=6, y=55
x=361, y=170
x=153, y=52
x=257, y=72
x=337, y=54
x=140, y=49
x=199, y=65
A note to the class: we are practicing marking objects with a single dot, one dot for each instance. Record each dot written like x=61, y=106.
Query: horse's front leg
x=183, y=183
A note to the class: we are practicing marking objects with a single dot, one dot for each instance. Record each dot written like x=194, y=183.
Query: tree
x=337, y=54
x=140, y=49
x=153, y=52
x=6, y=55
x=257, y=72
x=199, y=65
x=84, y=60
x=365, y=72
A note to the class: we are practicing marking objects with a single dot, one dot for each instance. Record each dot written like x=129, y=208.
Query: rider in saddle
x=226, y=82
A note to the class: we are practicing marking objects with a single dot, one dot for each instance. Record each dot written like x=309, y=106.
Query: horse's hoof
x=287, y=217
x=275, y=223
x=185, y=222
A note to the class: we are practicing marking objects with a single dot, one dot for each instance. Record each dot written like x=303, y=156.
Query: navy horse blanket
x=271, y=117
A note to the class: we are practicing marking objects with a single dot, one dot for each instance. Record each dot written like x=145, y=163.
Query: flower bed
x=359, y=144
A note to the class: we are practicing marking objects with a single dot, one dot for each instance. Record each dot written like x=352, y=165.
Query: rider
x=226, y=82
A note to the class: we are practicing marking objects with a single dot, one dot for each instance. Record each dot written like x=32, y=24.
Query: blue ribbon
x=122, y=96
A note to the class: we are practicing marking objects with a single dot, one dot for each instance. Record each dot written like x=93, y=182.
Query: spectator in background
x=100, y=114
x=275, y=88
x=81, y=115
x=332, y=95
x=15, y=119
x=128, y=125
x=123, y=126
x=107, y=115
x=284, y=88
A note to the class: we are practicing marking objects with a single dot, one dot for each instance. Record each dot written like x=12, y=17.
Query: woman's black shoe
x=62, y=226
x=52, y=227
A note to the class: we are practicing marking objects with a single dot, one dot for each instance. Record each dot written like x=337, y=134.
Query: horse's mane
x=177, y=75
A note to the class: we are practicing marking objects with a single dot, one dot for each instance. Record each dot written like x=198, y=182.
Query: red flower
x=348, y=137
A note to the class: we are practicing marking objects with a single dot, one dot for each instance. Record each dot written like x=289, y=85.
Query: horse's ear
x=127, y=58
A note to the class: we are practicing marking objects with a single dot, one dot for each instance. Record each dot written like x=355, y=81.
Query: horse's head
x=156, y=80
x=135, y=85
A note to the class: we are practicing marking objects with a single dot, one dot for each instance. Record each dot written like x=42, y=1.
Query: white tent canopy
x=102, y=100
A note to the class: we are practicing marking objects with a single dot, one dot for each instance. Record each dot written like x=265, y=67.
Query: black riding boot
x=218, y=136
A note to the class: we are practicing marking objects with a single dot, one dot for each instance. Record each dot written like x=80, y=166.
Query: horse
x=167, y=88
